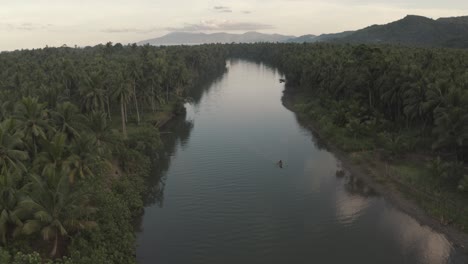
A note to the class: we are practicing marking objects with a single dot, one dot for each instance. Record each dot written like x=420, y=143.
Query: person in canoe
x=280, y=164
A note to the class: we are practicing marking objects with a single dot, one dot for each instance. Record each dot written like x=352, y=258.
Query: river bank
x=376, y=176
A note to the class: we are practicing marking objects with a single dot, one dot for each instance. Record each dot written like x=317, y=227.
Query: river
x=221, y=198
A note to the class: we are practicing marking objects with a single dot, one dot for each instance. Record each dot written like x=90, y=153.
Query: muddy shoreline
x=387, y=190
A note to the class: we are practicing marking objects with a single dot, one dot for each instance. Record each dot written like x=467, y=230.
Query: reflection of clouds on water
x=419, y=242
x=428, y=246
x=352, y=200
x=349, y=207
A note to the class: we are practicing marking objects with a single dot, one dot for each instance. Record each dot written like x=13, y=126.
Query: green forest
x=77, y=131
x=78, y=126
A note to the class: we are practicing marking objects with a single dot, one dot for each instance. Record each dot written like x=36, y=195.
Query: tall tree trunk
x=126, y=113
x=152, y=97
x=122, y=112
x=34, y=144
x=54, y=249
x=167, y=93
x=108, y=109
x=136, y=102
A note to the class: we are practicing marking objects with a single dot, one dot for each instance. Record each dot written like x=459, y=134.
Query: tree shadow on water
x=176, y=133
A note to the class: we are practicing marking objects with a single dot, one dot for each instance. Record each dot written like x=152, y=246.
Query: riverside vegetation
x=77, y=130
x=401, y=112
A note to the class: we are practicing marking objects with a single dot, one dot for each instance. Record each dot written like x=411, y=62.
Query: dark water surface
x=221, y=199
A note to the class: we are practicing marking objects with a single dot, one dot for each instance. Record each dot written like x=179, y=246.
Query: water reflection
x=419, y=241
x=416, y=241
x=356, y=187
x=352, y=199
x=198, y=90
x=176, y=132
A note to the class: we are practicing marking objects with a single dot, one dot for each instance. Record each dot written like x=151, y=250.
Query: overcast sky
x=37, y=23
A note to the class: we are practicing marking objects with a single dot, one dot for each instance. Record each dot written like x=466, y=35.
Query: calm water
x=221, y=199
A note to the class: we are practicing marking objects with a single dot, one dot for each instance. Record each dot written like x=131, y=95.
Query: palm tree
x=415, y=97
x=93, y=94
x=78, y=158
x=51, y=94
x=160, y=70
x=67, y=74
x=33, y=121
x=132, y=75
x=9, y=196
x=5, y=109
x=84, y=157
x=153, y=70
x=56, y=209
x=12, y=154
x=54, y=158
x=123, y=93
x=103, y=137
x=111, y=78
x=451, y=129
x=68, y=120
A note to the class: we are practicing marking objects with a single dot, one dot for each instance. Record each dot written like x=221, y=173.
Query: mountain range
x=411, y=30
x=416, y=30
x=178, y=38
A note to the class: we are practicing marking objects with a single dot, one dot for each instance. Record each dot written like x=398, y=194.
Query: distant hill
x=302, y=39
x=332, y=36
x=414, y=30
x=180, y=38
x=320, y=38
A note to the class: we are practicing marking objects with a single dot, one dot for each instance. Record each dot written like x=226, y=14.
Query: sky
x=26, y=24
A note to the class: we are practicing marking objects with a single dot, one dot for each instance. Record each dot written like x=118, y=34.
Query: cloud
x=26, y=26
x=130, y=30
x=204, y=25
x=224, y=25
x=222, y=9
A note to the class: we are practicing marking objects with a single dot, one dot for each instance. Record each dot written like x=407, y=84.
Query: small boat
x=282, y=80
x=280, y=164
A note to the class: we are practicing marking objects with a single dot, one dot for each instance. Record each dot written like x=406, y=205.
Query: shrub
x=447, y=173
x=463, y=184
x=4, y=256
x=144, y=139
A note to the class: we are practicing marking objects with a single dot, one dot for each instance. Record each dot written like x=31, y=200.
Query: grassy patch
x=414, y=174
x=441, y=202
